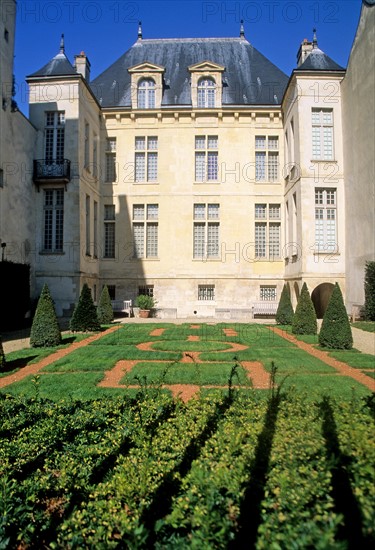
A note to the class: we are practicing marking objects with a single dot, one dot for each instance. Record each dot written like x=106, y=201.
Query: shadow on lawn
x=17, y=364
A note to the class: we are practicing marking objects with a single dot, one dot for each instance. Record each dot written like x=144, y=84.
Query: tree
x=335, y=331
x=45, y=330
x=370, y=291
x=284, y=314
x=304, y=318
x=84, y=318
x=105, y=310
x=2, y=356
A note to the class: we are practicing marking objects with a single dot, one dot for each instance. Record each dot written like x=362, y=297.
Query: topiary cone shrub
x=84, y=318
x=370, y=291
x=284, y=314
x=104, y=309
x=45, y=330
x=335, y=331
x=2, y=356
x=304, y=318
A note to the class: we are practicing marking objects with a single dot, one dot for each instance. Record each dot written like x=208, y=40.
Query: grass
x=368, y=326
x=77, y=374
x=204, y=374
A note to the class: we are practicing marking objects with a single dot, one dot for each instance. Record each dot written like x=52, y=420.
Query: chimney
x=82, y=65
x=304, y=51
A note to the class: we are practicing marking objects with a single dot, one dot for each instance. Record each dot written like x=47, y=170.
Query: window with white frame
x=206, y=158
x=268, y=293
x=146, y=159
x=206, y=292
x=322, y=134
x=206, y=92
x=146, y=94
x=266, y=158
x=53, y=220
x=110, y=160
x=206, y=231
x=95, y=156
x=267, y=230
x=145, y=230
x=109, y=231
x=54, y=136
x=325, y=220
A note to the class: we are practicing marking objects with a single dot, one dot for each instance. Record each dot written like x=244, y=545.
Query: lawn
x=167, y=354
x=368, y=326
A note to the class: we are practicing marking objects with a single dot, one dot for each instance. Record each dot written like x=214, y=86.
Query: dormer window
x=206, y=93
x=146, y=85
x=206, y=85
x=146, y=94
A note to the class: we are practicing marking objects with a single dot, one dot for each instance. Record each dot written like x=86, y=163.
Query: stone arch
x=320, y=297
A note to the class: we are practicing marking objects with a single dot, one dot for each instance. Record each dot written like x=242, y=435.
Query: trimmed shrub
x=335, y=331
x=104, y=309
x=2, y=356
x=370, y=291
x=284, y=314
x=45, y=330
x=84, y=318
x=304, y=318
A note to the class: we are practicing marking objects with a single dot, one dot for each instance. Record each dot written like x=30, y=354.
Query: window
x=87, y=225
x=266, y=158
x=1, y=177
x=325, y=220
x=53, y=220
x=110, y=160
x=147, y=290
x=146, y=94
x=87, y=146
x=112, y=291
x=146, y=159
x=206, y=158
x=54, y=137
x=145, y=230
x=95, y=229
x=206, y=231
x=206, y=93
x=109, y=231
x=267, y=232
x=322, y=134
x=95, y=156
x=206, y=292
x=268, y=294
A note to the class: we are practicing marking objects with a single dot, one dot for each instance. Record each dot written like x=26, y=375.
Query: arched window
x=206, y=92
x=146, y=94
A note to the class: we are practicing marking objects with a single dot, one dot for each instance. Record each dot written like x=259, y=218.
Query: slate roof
x=58, y=66
x=317, y=60
x=249, y=78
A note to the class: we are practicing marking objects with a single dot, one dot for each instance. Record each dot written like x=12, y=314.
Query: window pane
x=109, y=212
x=318, y=196
x=260, y=142
x=111, y=145
x=152, y=240
x=274, y=236
x=206, y=292
x=152, y=211
x=213, y=240
x=260, y=240
x=152, y=142
x=110, y=167
x=331, y=197
x=109, y=240
x=268, y=293
x=200, y=142
x=152, y=166
x=260, y=211
x=212, y=166
x=260, y=166
x=200, y=166
x=212, y=142
x=138, y=212
x=274, y=211
x=328, y=142
x=273, y=166
x=213, y=211
x=199, y=211
x=140, y=143
x=273, y=142
x=199, y=242
x=140, y=167
x=316, y=149
x=138, y=235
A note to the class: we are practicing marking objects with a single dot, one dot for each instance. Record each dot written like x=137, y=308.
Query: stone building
x=191, y=169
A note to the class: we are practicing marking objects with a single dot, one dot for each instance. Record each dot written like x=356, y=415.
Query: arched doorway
x=320, y=298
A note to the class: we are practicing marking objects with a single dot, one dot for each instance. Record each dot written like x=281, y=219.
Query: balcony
x=51, y=171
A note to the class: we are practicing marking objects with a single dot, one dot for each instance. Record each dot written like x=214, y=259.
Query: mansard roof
x=249, y=78
x=317, y=60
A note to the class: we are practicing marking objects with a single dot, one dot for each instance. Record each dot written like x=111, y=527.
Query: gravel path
x=364, y=341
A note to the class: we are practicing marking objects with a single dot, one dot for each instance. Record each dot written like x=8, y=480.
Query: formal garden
x=192, y=435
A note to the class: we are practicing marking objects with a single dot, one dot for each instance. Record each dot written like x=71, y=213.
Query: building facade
x=193, y=170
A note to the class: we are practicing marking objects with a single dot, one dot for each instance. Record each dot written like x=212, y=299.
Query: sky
x=105, y=29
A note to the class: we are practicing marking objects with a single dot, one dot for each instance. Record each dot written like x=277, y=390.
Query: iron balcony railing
x=51, y=170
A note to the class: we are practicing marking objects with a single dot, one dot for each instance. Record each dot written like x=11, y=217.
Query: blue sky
x=105, y=29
